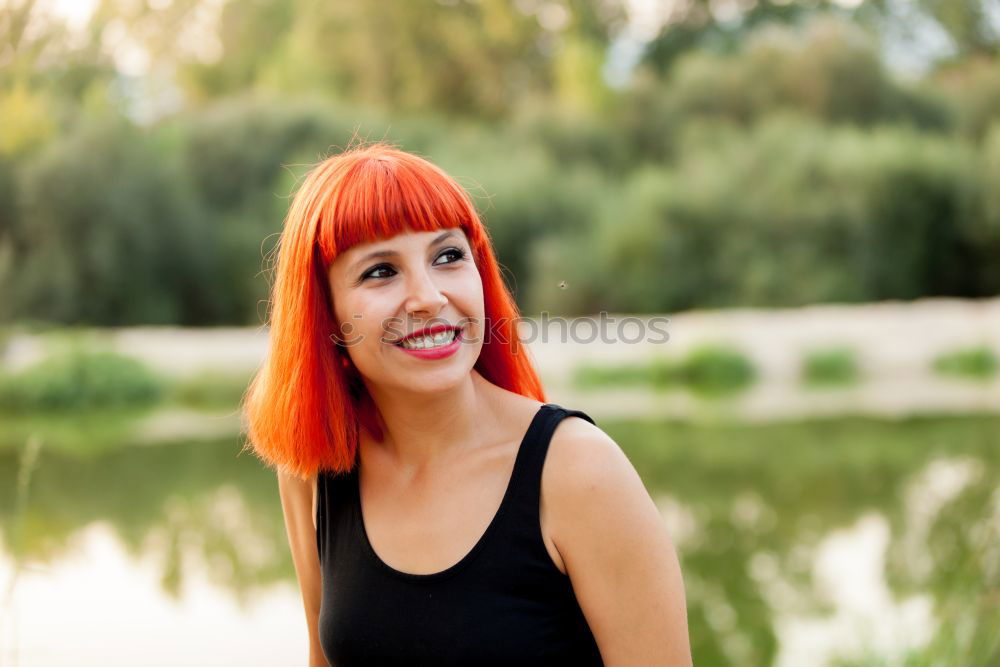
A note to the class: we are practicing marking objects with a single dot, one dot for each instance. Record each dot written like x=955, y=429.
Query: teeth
x=437, y=340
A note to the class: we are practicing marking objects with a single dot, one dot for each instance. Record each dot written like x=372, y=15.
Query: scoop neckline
x=480, y=543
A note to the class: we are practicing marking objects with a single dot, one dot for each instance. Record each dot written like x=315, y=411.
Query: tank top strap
x=527, y=480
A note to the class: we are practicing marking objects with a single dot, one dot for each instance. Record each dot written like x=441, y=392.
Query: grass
x=709, y=370
x=656, y=373
x=715, y=370
x=830, y=367
x=972, y=363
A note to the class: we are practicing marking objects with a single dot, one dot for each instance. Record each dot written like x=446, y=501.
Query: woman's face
x=387, y=290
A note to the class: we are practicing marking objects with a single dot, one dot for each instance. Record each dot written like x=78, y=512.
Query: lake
x=852, y=542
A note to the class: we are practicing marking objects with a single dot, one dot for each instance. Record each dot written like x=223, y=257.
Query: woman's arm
x=298, y=501
x=616, y=549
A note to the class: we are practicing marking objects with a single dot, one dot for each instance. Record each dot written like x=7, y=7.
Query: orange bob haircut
x=303, y=408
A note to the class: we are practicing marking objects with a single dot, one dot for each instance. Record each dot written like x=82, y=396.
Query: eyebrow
x=392, y=253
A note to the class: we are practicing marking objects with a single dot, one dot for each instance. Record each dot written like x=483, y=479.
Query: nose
x=423, y=296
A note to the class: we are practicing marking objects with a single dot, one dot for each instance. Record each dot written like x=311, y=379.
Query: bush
x=78, y=379
x=105, y=234
x=714, y=369
x=711, y=369
x=830, y=366
x=972, y=88
x=656, y=373
x=830, y=69
x=853, y=215
x=974, y=363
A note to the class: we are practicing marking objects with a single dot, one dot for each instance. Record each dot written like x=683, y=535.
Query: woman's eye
x=371, y=272
x=457, y=253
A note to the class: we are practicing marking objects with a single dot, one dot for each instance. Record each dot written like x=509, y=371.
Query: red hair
x=304, y=408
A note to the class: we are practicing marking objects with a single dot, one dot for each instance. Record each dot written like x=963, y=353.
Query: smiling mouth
x=440, y=339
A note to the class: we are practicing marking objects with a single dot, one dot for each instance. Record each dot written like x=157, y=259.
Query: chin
x=435, y=381
x=430, y=380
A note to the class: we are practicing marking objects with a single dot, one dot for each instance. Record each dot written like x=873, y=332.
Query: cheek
x=372, y=319
x=467, y=284
x=470, y=301
x=353, y=322
x=473, y=294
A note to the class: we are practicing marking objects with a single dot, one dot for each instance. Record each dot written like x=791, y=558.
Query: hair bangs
x=382, y=196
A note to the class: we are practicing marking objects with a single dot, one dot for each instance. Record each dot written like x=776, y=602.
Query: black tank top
x=504, y=603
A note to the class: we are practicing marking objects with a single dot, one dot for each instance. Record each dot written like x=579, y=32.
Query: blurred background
x=808, y=190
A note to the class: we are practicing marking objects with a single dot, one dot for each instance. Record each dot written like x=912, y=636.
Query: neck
x=422, y=429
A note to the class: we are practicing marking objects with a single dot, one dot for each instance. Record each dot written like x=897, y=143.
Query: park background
x=808, y=190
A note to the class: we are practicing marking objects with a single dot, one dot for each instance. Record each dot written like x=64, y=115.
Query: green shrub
x=830, y=366
x=974, y=363
x=76, y=379
x=710, y=369
x=718, y=369
x=656, y=373
x=827, y=68
x=854, y=215
x=972, y=89
x=714, y=369
x=109, y=234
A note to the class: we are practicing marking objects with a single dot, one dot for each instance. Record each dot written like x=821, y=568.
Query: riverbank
x=892, y=344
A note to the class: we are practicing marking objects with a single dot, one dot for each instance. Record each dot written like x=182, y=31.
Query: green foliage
x=241, y=160
x=974, y=363
x=835, y=366
x=27, y=120
x=829, y=69
x=973, y=92
x=105, y=234
x=459, y=58
x=655, y=373
x=709, y=370
x=79, y=379
x=970, y=24
x=714, y=369
x=851, y=214
x=771, y=145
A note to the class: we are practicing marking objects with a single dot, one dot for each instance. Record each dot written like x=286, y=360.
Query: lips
x=428, y=331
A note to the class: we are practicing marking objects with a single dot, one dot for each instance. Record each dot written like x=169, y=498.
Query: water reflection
x=848, y=542
x=795, y=535
x=99, y=605
x=164, y=500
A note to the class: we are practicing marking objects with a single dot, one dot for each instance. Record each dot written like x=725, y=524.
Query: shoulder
x=592, y=492
x=583, y=459
x=615, y=547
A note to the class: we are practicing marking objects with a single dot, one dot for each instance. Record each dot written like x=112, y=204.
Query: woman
x=409, y=432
